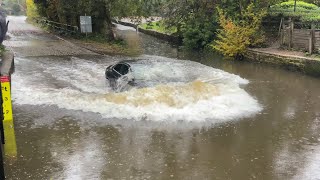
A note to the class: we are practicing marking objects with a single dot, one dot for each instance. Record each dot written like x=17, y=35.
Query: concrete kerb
x=7, y=63
x=306, y=65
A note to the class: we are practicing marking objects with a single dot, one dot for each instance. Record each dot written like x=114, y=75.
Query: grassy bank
x=97, y=43
x=2, y=49
x=158, y=26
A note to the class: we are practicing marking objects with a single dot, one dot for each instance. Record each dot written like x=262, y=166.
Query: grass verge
x=158, y=26
x=2, y=49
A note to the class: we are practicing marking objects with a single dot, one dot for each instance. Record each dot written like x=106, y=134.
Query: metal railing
x=59, y=26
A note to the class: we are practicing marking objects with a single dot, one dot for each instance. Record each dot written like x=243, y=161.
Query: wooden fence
x=317, y=41
x=300, y=36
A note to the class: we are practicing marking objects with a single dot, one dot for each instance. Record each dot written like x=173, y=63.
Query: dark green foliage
x=197, y=34
x=194, y=20
x=137, y=8
x=69, y=12
x=101, y=11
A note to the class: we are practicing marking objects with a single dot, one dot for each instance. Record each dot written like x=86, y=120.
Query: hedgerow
x=305, y=12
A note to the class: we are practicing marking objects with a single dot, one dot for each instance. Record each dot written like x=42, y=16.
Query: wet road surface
x=188, y=121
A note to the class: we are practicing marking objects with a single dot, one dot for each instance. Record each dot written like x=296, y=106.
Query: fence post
x=312, y=38
x=291, y=32
x=281, y=31
x=310, y=43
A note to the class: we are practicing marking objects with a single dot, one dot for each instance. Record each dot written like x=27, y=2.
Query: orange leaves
x=229, y=26
x=235, y=36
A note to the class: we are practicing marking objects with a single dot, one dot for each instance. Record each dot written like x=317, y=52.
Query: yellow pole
x=6, y=97
x=10, y=146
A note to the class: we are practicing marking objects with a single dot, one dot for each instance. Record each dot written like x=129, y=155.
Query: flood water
x=193, y=116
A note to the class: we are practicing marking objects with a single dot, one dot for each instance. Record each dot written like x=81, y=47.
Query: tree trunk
x=109, y=27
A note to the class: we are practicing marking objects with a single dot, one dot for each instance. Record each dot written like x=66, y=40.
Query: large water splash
x=168, y=90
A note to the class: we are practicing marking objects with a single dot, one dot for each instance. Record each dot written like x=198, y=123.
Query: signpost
x=86, y=24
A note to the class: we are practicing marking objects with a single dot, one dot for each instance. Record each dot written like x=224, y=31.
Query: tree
x=32, y=11
x=235, y=36
x=16, y=8
x=195, y=20
x=102, y=11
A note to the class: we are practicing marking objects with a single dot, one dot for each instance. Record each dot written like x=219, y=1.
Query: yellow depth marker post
x=10, y=146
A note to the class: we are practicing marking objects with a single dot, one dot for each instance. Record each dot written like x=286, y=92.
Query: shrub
x=31, y=10
x=198, y=31
x=235, y=37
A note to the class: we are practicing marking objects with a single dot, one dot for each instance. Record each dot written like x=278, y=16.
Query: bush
x=32, y=12
x=198, y=30
x=198, y=34
x=235, y=37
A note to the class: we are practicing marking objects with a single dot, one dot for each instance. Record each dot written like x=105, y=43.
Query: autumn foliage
x=237, y=34
x=32, y=11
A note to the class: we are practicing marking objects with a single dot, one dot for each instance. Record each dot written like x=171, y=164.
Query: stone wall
x=7, y=63
x=303, y=64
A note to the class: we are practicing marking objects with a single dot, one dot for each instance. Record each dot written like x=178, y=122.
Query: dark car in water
x=119, y=75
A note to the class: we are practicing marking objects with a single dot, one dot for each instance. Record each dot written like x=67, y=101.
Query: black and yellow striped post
x=2, y=176
x=9, y=135
x=7, y=131
x=8, y=139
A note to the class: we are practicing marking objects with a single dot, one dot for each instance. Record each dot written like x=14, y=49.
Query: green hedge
x=305, y=12
x=300, y=4
x=158, y=26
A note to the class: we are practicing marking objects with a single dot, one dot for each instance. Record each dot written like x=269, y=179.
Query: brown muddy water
x=193, y=116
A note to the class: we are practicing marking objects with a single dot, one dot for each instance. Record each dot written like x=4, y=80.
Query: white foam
x=80, y=85
x=123, y=28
